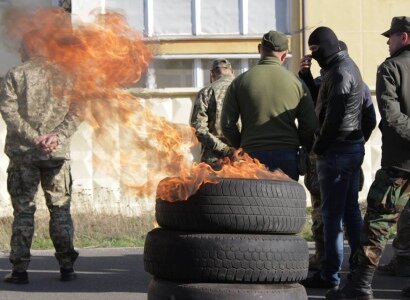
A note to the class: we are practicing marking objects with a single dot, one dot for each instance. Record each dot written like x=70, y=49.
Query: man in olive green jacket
x=268, y=99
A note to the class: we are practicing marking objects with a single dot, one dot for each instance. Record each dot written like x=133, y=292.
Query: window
x=265, y=15
x=132, y=9
x=220, y=17
x=172, y=17
x=186, y=72
x=194, y=17
x=173, y=73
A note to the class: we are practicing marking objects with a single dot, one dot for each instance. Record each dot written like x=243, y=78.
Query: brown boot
x=315, y=259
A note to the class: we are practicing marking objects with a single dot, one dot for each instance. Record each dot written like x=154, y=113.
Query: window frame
x=197, y=75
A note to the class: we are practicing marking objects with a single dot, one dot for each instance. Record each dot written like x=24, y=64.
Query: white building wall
x=96, y=191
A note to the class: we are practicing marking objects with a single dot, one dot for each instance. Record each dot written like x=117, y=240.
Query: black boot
x=17, y=277
x=67, y=274
x=317, y=282
x=358, y=288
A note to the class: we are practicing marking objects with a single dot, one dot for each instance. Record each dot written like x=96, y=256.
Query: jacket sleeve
x=307, y=120
x=69, y=125
x=230, y=116
x=9, y=108
x=200, y=121
x=368, y=114
x=335, y=111
x=388, y=78
x=313, y=87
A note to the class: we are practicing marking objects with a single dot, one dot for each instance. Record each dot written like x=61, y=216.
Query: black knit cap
x=327, y=41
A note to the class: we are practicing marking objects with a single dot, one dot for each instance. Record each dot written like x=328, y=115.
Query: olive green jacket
x=268, y=99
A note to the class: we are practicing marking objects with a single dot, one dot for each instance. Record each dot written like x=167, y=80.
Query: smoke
x=130, y=142
x=100, y=61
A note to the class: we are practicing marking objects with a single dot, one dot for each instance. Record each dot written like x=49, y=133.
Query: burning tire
x=238, y=206
x=165, y=290
x=207, y=257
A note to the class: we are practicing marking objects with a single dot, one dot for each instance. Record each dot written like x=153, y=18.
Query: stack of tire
x=234, y=240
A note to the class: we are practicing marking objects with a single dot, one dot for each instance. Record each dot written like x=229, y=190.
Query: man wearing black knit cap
x=368, y=124
x=339, y=146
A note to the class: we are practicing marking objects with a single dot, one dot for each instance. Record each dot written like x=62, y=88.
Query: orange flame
x=241, y=166
x=130, y=142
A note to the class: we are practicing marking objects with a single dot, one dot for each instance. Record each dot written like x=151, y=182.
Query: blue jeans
x=338, y=173
x=284, y=159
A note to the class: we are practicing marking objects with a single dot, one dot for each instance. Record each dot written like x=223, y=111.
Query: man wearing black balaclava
x=339, y=146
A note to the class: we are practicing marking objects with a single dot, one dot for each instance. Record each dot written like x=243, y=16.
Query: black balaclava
x=328, y=44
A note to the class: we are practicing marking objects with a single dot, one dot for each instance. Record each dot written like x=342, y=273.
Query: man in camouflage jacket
x=40, y=122
x=206, y=114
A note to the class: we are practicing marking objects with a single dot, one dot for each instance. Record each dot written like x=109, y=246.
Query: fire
x=240, y=166
x=130, y=142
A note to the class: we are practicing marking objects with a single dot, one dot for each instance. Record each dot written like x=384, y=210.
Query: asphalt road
x=119, y=274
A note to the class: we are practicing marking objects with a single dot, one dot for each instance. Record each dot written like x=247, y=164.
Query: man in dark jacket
x=268, y=99
x=389, y=194
x=368, y=123
x=339, y=146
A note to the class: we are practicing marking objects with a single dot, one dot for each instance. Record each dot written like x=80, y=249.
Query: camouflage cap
x=221, y=63
x=398, y=24
x=275, y=41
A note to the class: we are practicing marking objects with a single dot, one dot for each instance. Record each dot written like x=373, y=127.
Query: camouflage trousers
x=22, y=184
x=312, y=184
x=387, y=203
x=317, y=222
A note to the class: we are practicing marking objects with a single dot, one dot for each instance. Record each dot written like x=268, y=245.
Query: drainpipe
x=304, y=33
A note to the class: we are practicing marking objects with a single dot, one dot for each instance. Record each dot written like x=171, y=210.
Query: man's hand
x=305, y=64
x=47, y=142
x=229, y=151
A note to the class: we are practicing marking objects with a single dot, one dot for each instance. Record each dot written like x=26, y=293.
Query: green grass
x=91, y=230
x=94, y=230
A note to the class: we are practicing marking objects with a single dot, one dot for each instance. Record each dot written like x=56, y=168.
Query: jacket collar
x=401, y=50
x=335, y=58
x=269, y=60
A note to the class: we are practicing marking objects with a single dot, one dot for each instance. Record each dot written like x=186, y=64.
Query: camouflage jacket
x=206, y=119
x=33, y=102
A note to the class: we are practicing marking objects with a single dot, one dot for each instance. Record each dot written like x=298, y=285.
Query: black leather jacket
x=339, y=104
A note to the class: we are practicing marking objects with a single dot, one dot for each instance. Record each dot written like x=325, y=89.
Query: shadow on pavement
x=119, y=274
x=384, y=286
x=102, y=273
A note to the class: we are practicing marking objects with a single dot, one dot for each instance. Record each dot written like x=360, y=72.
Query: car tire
x=214, y=257
x=238, y=206
x=159, y=289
